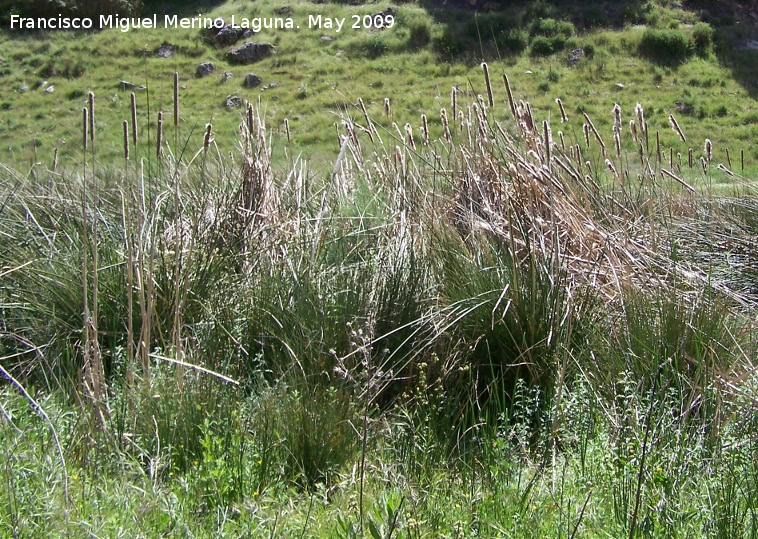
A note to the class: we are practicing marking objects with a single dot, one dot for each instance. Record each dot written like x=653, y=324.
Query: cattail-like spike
x=409, y=136
x=362, y=106
x=387, y=107
x=563, y=142
x=708, y=149
x=613, y=170
x=511, y=102
x=616, y=118
x=134, y=118
x=676, y=128
x=55, y=159
x=286, y=130
x=548, y=137
x=641, y=117
x=530, y=117
x=85, y=127
x=726, y=170
x=126, y=140
x=251, y=124
x=424, y=129
x=454, y=100
x=658, y=145
x=617, y=142
x=633, y=129
x=208, y=137
x=677, y=179
x=490, y=98
x=728, y=158
x=176, y=98
x=586, y=130
x=159, y=135
x=704, y=164
x=91, y=103
x=564, y=118
x=689, y=158
x=595, y=132
x=445, y=125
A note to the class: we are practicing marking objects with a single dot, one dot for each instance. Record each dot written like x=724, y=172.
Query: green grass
x=478, y=343
x=407, y=63
x=482, y=334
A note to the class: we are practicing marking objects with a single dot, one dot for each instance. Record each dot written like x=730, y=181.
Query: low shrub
x=447, y=44
x=702, y=37
x=553, y=28
x=515, y=41
x=545, y=46
x=420, y=33
x=665, y=45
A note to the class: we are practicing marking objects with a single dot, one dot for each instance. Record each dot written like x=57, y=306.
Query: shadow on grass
x=476, y=30
x=736, y=36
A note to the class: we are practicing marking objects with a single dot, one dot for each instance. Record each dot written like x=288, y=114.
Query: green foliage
x=371, y=46
x=514, y=41
x=447, y=45
x=420, y=33
x=553, y=28
x=550, y=36
x=545, y=46
x=317, y=432
x=665, y=46
x=78, y=8
x=702, y=37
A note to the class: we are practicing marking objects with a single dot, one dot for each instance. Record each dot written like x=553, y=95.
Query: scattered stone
x=23, y=88
x=205, y=69
x=619, y=86
x=233, y=101
x=183, y=86
x=684, y=108
x=750, y=44
x=250, y=52
x=528, y=72
x=124, y=85
x=226, y=76
x=166, y=50
x=227, y=36
x=284, y=10
x=50, y=89
x=273, y=84
x=43, y=84
x=326, y=37
x=248, y=33
x=251, y=80
x=576, y=55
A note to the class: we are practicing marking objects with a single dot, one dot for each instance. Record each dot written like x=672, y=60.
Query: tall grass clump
x=501, y=314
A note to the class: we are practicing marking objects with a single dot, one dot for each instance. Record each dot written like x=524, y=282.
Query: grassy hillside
x=320, y=74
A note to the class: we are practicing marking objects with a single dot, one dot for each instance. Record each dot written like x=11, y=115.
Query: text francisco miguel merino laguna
x=126, y=23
